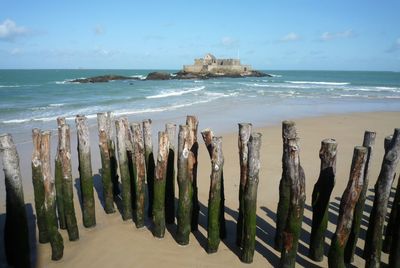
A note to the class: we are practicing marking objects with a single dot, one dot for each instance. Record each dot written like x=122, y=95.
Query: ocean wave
x=139, y=76
x=275, y=75
x=319, y=83
x=171, y=93
x=10, y=86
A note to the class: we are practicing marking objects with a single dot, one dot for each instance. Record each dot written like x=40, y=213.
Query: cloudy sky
x=315, y=35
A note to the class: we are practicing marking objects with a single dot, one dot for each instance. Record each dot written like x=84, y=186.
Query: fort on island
x=210, y=64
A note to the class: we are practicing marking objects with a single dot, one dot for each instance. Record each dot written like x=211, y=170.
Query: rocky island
x=203, y=68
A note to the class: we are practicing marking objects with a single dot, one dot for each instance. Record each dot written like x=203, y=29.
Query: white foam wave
x=139, y=76
x=275, y=75
x=5, y=86
x=56, y=104
x=319, y=83
x=171, y=93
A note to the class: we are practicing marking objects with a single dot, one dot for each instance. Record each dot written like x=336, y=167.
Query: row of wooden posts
x=55, y=207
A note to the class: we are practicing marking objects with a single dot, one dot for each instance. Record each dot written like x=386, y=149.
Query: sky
x=269, y=35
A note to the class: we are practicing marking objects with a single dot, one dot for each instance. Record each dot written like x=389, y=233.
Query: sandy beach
x=115, y=243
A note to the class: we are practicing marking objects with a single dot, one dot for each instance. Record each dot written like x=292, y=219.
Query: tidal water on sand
x=35, y=98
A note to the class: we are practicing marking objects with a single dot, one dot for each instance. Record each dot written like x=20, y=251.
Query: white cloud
x=328, y=36
x=394, y=47
x=290, y=37
x=9, y=30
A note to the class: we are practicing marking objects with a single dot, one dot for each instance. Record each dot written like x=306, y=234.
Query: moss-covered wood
x=193, y=123
x=184, y=212
x=38, y=186
x=373, y=242
x=391, y=226
x=295, y=175
x=56, y=240
x=250, y=198
x=170, y=129
x=208, y=135
x=140, y=174
x=288, y=132
x=243, y=138
x=105, y=130
x=122, y=132
x=320, y=198
x=16, y=235
x=214, y=199
x=368, y=142
x=346, y=210
x=58, y=179
x=159, y=186
x=67, y=183
x=394, y=257
x=150, y=163
x=85, y=172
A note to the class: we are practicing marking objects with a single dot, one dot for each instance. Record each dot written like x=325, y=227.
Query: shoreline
x=114, y=242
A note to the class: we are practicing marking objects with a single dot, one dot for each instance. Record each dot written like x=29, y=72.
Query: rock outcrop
x=102, y=79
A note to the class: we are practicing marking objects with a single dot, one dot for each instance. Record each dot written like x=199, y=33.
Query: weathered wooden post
x=373, y=242
x=394, y=257
x=170, y=129
x=159, y=185
x=55, y=238
x=122, y=131
x=58, y=179
x=16, y=235
x=391, y=226
x=38, y=186
x=368, y=142
x=346, y=210
x=106, y=152
x=291, y=234
x=184, y=214
x=208, y=135
x=243, y=138
x=250, y=198
x=320, y=198
x=67, y=182
x=85, y=172
x=288, y=132
x=150, y=164
x=140, y=174
x=193, y=123
x=214, y=199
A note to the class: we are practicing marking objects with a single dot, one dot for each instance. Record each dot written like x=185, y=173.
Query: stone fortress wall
x=211, y=64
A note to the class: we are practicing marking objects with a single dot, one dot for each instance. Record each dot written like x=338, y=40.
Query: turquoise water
x=35, y=98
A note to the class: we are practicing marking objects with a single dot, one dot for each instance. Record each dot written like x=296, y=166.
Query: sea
x=35, y=98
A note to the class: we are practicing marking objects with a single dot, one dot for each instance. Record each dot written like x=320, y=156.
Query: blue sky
x=315, y=35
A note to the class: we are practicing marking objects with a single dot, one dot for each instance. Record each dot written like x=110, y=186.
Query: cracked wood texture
x=58, y=178
x=150, y=163
x=170, y=129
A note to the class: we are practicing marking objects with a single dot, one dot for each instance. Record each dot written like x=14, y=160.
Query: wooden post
x=85, y=172
x=394, y=257
x=16, y=235
x=193, y=123
x=38, y=186
x=368, y=142
x=391, y=226
x=58, y=178
x=184, y=214
x=243, y=138
x=150, y=164
x=170, y=129
x=106, y=152
x=295, y=175
x=122, y=130
x=140, y=174
x=56, y=240
x=159, y=186
x=208, y=135
x=250, y=198
x=320, y=198
x=67, y=182
x=214, y=199
x=288, y=132
x=373, y=242
x=346, y=209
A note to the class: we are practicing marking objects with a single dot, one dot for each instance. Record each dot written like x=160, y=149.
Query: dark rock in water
x=158, y=76
x=102, y=79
